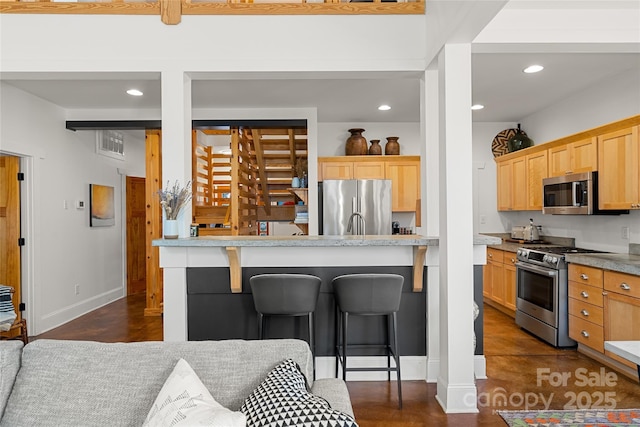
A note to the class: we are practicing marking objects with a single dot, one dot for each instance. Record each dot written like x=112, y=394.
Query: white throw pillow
x=185, y=401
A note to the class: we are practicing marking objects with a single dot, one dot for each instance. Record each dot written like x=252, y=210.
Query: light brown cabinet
x=499, y=279
x=575, y=157
x=621, y=309
x=403, y=171
x=619, y=169
x=536, y=170
x=405, y=184
x=512, y=179
x=603, y=306
x=612, y=149
x=520, y=182
x=586, y=306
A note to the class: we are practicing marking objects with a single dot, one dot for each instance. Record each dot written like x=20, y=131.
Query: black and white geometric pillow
x=282, y=400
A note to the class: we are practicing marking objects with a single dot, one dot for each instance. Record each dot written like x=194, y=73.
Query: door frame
x=27, y=270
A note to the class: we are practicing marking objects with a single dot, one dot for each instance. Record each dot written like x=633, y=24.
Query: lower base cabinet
x=500, y=279
x=603, y=306
x=621, y=310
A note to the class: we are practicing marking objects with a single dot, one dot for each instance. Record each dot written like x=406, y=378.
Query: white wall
x=613, y=99
x=332, y=137
x=485, y=214
x=66, y=251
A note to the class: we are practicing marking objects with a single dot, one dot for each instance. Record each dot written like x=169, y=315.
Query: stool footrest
x=392, y=369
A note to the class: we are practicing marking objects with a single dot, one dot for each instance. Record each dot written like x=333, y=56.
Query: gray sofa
x=81, y=383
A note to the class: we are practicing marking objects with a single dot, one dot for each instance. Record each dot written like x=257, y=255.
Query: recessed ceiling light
x=384, y=107
x=533, y=69
x=134, y=92
x=477, y=107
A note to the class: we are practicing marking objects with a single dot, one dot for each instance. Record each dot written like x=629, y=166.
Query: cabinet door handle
x=584, y=294
x=584, y=312
x=513, y=260
x=625, y=287
x=584, y=276
x=585, y=334
x=490, y=255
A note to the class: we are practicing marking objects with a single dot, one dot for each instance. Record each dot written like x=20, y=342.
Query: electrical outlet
x=483, y=219
x=77, y=289
x=625, y=233
x=65, y=205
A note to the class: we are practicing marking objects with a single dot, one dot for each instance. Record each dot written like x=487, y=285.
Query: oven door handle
x=539, y=270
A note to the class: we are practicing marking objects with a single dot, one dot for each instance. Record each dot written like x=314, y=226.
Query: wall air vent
x=110, y=143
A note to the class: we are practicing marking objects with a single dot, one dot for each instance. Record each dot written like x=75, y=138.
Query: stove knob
x=545, y=258
x=554, y=259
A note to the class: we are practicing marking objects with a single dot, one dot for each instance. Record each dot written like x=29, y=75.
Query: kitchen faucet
x=364, y=223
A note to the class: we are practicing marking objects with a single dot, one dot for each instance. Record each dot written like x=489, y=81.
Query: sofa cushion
x=282, y=399
x=10, y=352
x=185, y=401
x=79, y=383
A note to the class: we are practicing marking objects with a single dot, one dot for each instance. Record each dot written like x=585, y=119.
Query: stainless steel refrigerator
x=368, y=201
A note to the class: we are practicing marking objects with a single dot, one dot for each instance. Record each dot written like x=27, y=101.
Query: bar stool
x=368, y=295
x=286, y=295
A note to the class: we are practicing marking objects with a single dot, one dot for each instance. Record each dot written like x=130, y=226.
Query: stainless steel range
x=541, y=295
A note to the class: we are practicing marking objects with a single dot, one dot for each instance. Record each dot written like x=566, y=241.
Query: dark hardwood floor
x=514, y=359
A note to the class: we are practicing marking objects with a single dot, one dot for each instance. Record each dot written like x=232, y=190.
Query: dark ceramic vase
x=375, y=149
x=356, y=143
x=392, y=147
x=519, y=141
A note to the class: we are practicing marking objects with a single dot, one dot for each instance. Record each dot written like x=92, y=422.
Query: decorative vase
x=170, y=229
x=295, y=182
x=519, y=141
x=375, y=149
x=356, y=143
x=392, y=147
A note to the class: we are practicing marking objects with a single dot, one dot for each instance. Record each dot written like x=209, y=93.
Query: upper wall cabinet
x=619, y=169
x=520, y=182
x=403, y=171
x=575, y=157
x=612, y=149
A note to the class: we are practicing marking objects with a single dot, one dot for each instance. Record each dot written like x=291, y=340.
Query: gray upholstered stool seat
x=368, y=295
x=286, y=295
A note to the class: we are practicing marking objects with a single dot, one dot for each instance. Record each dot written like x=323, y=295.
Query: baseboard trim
x=71, y=312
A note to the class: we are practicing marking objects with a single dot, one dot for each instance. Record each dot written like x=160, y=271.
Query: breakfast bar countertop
x=314, y=241
x=622, y=263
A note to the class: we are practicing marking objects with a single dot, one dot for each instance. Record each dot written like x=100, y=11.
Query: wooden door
x=559, y=160
x=536, y=172
x=621, y=320
x=336, y=170
x=405, y=184
x=10, y=226
x=618, y=169
x=520, y=185
x=584, y=155
x=497, y=285
x=136, y=245
x=505, y=185
x=509, y=277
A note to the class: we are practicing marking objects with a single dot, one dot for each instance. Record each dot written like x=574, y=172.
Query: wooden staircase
x=233, y=192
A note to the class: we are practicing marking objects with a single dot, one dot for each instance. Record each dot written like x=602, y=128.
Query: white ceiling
x=498, y=83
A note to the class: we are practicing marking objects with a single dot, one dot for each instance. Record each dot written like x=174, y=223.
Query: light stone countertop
x=622, y=263
x=313, y=241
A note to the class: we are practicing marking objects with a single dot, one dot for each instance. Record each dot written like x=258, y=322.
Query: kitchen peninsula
x=207, y=293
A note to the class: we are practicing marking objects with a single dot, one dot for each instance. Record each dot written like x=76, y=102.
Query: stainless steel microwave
x=575, y=194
